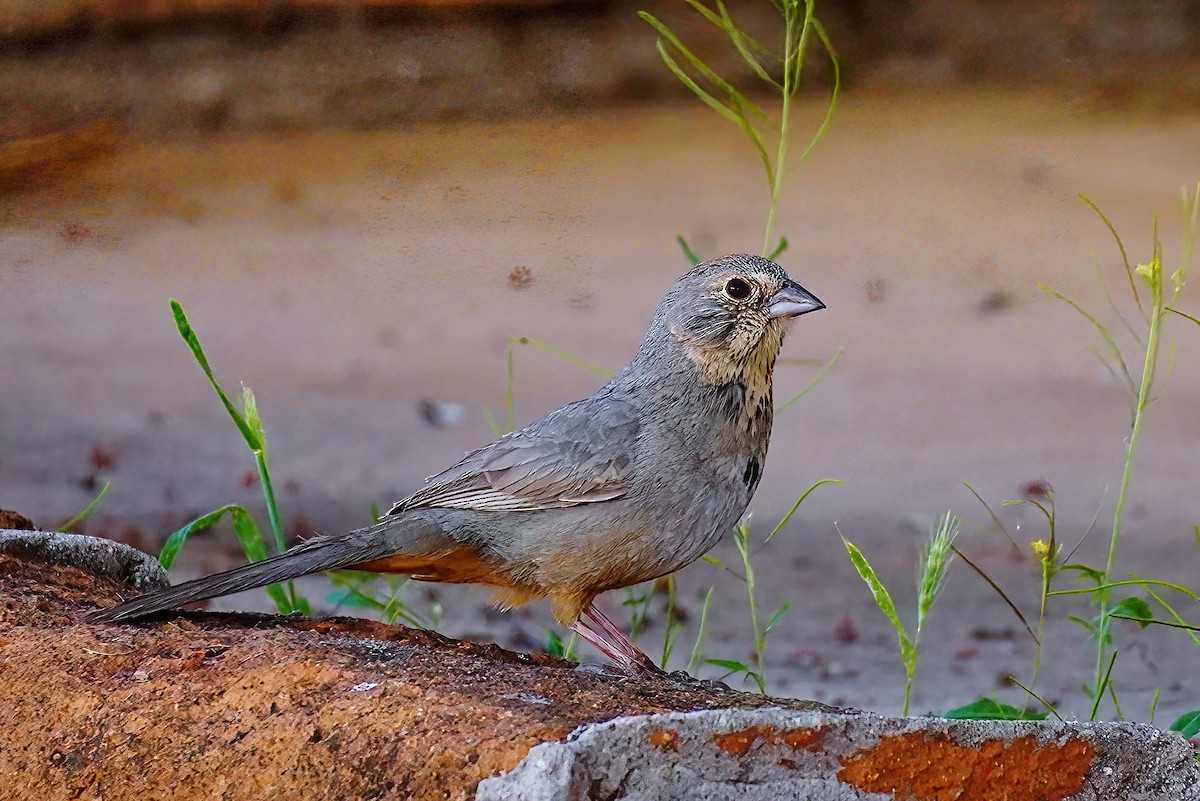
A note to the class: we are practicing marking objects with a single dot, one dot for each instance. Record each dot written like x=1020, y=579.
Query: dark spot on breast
x=753, y=473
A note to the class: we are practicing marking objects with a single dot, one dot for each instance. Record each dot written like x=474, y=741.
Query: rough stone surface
x=118, y=563
x=785, y=754
x=252, y=706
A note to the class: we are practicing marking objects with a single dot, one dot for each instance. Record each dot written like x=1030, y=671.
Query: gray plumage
x=630, y=484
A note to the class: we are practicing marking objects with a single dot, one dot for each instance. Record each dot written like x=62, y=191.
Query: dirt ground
x=349, y=276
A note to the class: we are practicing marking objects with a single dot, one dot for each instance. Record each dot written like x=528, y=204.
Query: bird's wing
x=581, y=453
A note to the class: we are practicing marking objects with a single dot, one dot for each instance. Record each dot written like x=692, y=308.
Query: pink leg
x=603, y=646
x=615, y=645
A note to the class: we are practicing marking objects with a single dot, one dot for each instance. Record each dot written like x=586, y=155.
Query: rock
x=255, y=706
x=113, y=561
x=767, y=754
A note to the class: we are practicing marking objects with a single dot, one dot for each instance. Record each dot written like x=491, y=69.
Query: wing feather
x=581, y=453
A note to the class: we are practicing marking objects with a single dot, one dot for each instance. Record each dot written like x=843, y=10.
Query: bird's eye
x=737, y=289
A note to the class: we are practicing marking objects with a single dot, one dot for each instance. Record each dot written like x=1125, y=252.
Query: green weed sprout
x=931, y=577
x=779, y=70
x=741, y=540
x=357, y=589
x=1164, y=293
x=249, y=424
x=72, y=522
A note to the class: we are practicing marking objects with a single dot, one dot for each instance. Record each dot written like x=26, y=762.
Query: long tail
x=323, y=553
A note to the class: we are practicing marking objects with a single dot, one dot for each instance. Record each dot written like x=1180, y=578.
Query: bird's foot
x=713, y=685
x=612, y=642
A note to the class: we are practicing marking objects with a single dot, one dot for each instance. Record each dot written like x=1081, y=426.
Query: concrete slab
x=773, y=754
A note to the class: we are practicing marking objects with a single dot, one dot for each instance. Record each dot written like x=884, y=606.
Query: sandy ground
x=347, y=276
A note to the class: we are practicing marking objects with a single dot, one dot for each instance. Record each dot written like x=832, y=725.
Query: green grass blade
x=72, y=522
x=833, y=98
x=734, y=115
x=1171, y=611
x=995, y=518
x=1104, y=335
x=508, y=386
x=883, y=599
x=193, y=342
x=783, y=521
x=268, y=490
x=688, y=253
x=735, y=112
x=779, y=249
x=999, y=591
x=747, y=47
x=1149, y=621
x=694, y=660
x=821, y=375
x=253, y=545
x=1121, y=245
x=1127, y=583
x=1184, y=315
x=247, y=533
x=1049, y=707
x=352, y=596
x=687, y=80
x=778, y=616
x=566, y=356
x=736, y=99
x=171, y=548
x=1102, y=686
x=1112, y=304
x=671, y=629
x=733, y=666
x=493, y=424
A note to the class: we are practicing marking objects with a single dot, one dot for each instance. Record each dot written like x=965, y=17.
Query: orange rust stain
x=926, y=768
x=812, y=739
x=739, y=743
x=664, y=738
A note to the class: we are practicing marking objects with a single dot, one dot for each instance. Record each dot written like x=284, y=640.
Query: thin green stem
x=1041, y=626
x=1102, y=684
x=268, y=489
x=1040, y=700
x=264, y=478
x=793, y=56
x=694, y=661
x=1149, y=366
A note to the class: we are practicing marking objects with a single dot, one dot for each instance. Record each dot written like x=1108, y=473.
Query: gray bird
x=631, y=484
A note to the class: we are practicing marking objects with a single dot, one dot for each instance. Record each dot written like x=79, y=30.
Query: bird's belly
x=631, y=551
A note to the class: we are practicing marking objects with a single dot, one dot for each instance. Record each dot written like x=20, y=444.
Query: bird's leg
x=630, y=655
x=602, y=645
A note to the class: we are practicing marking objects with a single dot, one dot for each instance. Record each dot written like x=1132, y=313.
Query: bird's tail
x=321, y=553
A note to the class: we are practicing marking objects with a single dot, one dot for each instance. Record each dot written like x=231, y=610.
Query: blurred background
x=360, y=203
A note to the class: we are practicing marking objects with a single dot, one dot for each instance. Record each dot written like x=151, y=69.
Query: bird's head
x=730, y=315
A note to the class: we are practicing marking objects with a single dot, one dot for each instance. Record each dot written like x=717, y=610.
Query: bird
x=625, y=486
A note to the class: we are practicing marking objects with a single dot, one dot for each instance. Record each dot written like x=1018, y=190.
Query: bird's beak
x=792, y=301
